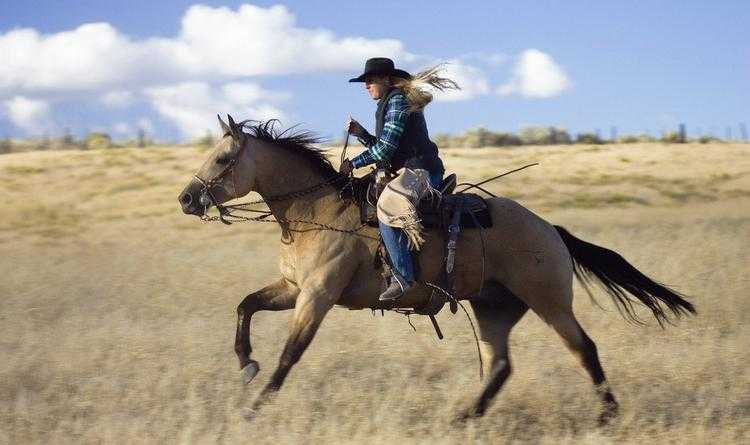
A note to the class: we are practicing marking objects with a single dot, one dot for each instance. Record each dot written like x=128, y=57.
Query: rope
x=468, y=317
x=477, y=185
x=267, y=214
x=290, y=195
x=229, y=211
x=484, y=255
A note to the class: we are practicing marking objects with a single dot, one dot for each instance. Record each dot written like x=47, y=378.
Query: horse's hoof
x=250, y=371
x=608, y=415
x=459, y=420
x=463, y=416
x=248, y=414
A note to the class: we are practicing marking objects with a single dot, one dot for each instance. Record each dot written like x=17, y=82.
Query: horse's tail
x=617, y=277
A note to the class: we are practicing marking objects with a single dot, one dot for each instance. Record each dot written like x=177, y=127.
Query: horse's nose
x=186, y=198
x=186, y=201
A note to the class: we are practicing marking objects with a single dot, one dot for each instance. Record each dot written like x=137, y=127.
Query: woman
x=401, y=140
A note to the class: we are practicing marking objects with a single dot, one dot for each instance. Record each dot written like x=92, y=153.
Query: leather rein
x=208, y=199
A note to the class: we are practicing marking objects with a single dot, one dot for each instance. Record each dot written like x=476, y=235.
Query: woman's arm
x=396, y=112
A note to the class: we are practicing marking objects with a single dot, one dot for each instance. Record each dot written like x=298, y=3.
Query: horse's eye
x=222, y=159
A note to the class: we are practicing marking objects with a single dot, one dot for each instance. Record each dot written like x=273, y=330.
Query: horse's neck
x=280, y=172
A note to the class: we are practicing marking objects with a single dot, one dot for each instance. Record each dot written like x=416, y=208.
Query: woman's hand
x=346, y=167
x=355, y=128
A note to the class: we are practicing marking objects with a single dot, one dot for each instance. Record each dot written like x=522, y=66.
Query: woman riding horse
x=401, y=141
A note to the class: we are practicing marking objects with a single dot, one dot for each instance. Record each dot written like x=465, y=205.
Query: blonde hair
x=416, y=88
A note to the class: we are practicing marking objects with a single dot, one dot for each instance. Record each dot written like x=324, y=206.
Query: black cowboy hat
x=381, y=66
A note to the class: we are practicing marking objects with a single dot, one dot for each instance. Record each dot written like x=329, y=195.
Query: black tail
x=617, y=276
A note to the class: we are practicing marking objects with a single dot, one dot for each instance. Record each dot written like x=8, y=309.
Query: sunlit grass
x=118, y=312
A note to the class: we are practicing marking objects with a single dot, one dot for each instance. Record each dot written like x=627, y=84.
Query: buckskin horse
x=326, y=258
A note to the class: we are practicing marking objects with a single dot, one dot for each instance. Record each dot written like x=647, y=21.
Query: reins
x=231, y=211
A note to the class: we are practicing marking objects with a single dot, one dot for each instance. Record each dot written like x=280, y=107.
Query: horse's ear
x=224, y=127
x=234, y=129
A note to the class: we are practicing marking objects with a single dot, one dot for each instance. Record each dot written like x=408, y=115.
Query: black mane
x=299, y=142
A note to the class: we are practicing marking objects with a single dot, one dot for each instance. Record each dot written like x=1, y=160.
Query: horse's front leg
x=277, y=296
x=311, y=308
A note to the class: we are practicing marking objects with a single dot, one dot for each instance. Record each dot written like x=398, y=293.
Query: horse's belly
x=368, y=284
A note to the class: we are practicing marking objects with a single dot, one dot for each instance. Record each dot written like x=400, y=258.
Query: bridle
x=207, y=198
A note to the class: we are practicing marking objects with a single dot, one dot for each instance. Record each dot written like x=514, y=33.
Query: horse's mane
x=300, y=142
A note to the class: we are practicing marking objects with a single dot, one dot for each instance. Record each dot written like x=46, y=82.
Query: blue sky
x=171, y=66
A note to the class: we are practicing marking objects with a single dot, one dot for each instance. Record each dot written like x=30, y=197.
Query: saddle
x=434, y=213
x=449, y=212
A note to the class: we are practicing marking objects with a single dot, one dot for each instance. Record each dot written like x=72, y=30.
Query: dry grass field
x=117, y=312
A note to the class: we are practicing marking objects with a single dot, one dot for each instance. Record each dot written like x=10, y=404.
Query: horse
x=326, y=258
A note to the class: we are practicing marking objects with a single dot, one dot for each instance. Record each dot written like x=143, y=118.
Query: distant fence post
x=613, y=133
x=728, y=133
x=683, y=133
x=141, y=138
x=743, y=131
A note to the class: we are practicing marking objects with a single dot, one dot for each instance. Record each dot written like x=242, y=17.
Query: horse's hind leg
x=583, y=347
x=497, y=310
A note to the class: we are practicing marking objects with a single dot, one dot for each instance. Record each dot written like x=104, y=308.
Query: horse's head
x=228, y=172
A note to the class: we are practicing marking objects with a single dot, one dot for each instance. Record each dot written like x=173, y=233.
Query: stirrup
x=395, y=290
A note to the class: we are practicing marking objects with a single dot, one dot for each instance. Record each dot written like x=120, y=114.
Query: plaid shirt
x=382, y=149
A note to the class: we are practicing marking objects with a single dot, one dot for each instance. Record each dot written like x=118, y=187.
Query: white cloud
x=245, y=92
x=254, y=41
x=214, y=44
x=118, y=99
x=536, y=75
x=193, y=106
x=205, y=67
x=96, y=62
x=28, y=114
x=90, y=56
x=472, y=80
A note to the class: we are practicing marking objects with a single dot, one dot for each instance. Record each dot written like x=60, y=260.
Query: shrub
x=672, y=137
x=67, y=139
x=444, y=140
x=98, y=140
x=628, y=139
x=708, y=139
x=504, y=139
x=544, y=135
x=5, y=145
x=476, y=137
x=588, y=138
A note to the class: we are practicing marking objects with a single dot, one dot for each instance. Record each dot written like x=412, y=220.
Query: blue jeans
x=397, y=243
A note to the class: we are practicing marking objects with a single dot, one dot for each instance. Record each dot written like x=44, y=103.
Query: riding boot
x=396, y=289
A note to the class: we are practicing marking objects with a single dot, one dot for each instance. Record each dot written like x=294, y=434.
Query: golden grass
x=117, y=319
